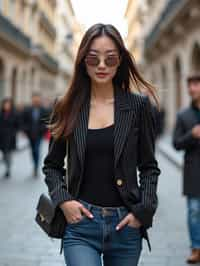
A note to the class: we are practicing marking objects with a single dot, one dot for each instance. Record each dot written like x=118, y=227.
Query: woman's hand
x=130, y=220
x=73, y=211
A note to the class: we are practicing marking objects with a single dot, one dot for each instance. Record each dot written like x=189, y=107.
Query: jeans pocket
x=132, y=227
x=84, y=218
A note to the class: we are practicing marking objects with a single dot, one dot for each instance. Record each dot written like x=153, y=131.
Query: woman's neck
x=102, y=92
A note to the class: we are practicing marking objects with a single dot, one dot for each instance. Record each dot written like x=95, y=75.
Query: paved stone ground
x=23, y=244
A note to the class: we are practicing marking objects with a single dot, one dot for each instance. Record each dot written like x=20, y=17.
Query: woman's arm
x=148, y=168
x=54, y=171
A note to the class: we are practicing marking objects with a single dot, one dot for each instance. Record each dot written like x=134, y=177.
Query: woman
x=109, y=132
x=8, y=128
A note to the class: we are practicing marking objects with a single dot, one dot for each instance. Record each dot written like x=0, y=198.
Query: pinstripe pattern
x=130, y=110
x=80, y=131
x=124, y=116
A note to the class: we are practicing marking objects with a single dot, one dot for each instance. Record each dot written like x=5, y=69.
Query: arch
x=23, y=86
x=195, y=59
x=178, y=89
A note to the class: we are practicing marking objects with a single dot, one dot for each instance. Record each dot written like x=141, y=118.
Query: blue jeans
x=194, y=221
x=91, y=241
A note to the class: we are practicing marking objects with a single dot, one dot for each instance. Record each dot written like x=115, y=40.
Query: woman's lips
x=101, y=75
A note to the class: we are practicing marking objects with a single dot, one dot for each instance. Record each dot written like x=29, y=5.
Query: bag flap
x=45, y=208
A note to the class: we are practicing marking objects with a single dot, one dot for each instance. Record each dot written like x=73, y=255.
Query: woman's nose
x=102, y=63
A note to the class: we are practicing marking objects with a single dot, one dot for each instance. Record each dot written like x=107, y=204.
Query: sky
x=89, y=12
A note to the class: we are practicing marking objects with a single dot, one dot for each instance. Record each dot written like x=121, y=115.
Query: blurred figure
x=9, y=125
x=48, y=105
x=187, y=137
x=33, y=124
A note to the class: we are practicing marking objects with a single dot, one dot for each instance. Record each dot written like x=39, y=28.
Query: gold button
x=119, y=182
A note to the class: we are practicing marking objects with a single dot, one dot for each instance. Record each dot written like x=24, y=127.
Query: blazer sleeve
x=182, y=138
x=54, y=171
x=148, y=168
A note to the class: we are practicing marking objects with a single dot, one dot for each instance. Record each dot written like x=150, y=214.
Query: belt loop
x=119, y=213
x=86, y=204
x=89, y=207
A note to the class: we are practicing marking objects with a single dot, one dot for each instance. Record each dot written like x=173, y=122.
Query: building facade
x=32, y=46
x=66, y=25
x=170, y=35
x=134, y=15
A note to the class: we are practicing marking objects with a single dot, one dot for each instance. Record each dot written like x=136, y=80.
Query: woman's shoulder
x=137, y=100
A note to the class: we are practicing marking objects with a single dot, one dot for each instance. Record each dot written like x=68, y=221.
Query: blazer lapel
x=80, y=131
x=124, y=117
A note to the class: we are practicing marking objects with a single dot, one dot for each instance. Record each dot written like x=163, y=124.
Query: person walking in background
x=110, y=134
x=186, y=137
x=48, y=105
x=9, y=125
x=34, y=120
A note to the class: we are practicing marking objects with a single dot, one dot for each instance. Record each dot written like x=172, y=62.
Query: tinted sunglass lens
x=92, y=60
x=111, y=61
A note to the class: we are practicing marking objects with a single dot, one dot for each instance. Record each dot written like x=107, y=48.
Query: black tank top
x=98, y=185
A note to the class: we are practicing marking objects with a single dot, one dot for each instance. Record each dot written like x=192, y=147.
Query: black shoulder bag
x=50, y=218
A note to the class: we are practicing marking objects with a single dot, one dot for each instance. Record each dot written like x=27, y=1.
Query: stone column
x=171, y=103
x=186, y=71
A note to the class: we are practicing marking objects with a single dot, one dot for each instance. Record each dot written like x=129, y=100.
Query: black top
x=98, y=178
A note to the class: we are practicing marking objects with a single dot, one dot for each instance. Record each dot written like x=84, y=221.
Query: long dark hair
x=66, y=110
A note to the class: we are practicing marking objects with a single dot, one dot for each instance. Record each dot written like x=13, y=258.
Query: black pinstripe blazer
x=133, y=150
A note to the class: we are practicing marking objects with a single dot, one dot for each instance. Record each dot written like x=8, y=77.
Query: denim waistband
x=105, y=211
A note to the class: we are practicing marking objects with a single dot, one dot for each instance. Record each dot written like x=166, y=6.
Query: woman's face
x=7, y=106
x=102, y=60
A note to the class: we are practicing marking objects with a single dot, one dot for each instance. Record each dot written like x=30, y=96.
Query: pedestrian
x=34, y=126
x=109, y=133
x=187, y=137
x=9, y=125
x=48, y=108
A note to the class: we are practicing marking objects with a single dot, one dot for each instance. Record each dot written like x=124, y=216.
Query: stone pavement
x=22, y=243
x=166, y=148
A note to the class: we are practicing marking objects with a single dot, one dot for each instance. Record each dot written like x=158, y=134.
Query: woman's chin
x=102, y=81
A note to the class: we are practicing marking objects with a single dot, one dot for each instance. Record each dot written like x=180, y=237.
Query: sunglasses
x=94, y=61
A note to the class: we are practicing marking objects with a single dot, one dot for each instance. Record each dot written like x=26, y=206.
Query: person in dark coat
x=9, y=124
x=187, y=137
x=34, y=125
